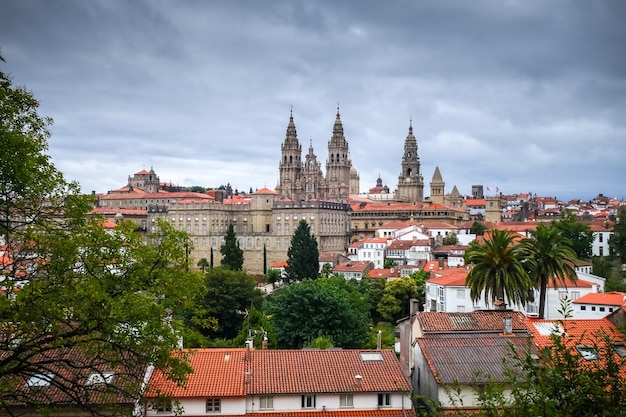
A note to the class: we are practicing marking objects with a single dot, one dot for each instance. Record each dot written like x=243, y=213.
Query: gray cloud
x=523, y=95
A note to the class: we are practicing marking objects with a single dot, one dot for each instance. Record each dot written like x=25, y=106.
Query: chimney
x=264, y=346
x=508, y=324
x=358, y=379
x=379, y=340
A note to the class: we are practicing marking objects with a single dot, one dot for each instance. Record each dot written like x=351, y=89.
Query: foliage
x=302, y=255
x=228, y=293
x=232, y=254
x=450, y=239
x=601, y=266
x=272, y=276
x=579, y=234
x=197, y=189
x=550, y=259
x=328, y=307
x=478, y=229
x=389, y=263
x=320, y=342
x=394, y=303
x=327, y=270
x=103, y=295
x=256, y=327
x=557, y=381
x=373, y=290
x=203, y=264
x=617, y=241
x=388, y=336
x=497, y=269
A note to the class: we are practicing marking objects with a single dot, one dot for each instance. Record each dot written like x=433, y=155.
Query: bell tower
x=410, y=181
x=338, y=163
x=290, y=166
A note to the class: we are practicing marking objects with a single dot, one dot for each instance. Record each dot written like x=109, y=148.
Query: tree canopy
x=617, y=242
x=329, y=307
x=397, y=294
x=579, y=234
x=232, y=254
x=497, y=269
x=549, y=259
x=74, y=285
x=302, y=255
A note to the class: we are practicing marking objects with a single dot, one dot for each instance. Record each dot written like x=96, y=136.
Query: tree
x=450, y=239
x=272, y=276
x=232, y=254
x=327, y=270
x=550, y=258
x=264, y=259
x=227, y=293
x=389, y=263
x=203, y=264
x=88, y=296
x=394, y=303
x=328, y=307
x=302, y=255
x=579, y=234
x=497, y=269
x=617, y=241
x=478, y=229
x=211, y=263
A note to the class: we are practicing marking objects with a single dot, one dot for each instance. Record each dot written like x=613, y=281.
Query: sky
x=519, y=95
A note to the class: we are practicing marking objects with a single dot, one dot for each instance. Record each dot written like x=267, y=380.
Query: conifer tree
x=303, y=255
x=232, y=254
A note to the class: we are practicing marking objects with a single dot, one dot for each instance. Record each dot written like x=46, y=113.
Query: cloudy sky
x=523, y=95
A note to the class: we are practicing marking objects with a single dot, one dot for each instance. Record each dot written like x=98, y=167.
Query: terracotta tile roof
x=324, y=371
x=475, y=202
x=480, y=320
x=470, y=358
x=217, y=373
x=383, y=273
x=339, y=413
x=142, y=172
x=281, y=264
x=454, y=277
x=113, y=211
x=407, y=244
x=353, y=266
x=603, y=298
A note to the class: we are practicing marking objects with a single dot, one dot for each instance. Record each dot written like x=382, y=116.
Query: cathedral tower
x=338, y=163
x=410, y=181
x=314, y=185
x=290, y=166
x=437, y=187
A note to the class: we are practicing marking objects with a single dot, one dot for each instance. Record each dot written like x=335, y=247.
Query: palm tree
x=327, y=270
x=550, y=258
x=203, y=264
x=498, y=269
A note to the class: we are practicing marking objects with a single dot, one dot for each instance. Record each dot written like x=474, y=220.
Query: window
x=286, y=227
x=308, y=401
x=460, y=309
x=601, y=308
x=583, y=308
x=384, y=399
x=600, y=236
x=587, y=352
x=266, y=403
x=460, y=294
x=213, y=405
x=346, y=401
x=277, y=242
x=40, y=380
x=96, y=378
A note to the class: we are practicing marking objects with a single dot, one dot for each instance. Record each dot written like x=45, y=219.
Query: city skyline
x=522, y=96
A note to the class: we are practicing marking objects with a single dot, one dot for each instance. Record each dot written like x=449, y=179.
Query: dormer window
x=100, y=378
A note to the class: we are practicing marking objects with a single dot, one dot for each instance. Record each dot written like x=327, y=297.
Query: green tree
x=497, y=269
x=389, y=263
x=264, y=259
x=100, y=294
x=478, y=229
x=617, y=241
x=197, y=189
x=232, y=254
x=450, y=239
x=394, y=303
x=579, y=234
x=327, y=270
x=328, y=307
x=203, y=264
x=211, y=263
x=550, y=259
x=373, y=289
x=227, y=294
x=302, y=255
x=257, y=327
x=272, y=276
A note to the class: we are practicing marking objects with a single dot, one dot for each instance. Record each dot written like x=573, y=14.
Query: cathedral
x=304, y=180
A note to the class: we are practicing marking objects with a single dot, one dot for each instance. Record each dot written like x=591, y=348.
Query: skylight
x=40, y=380
x=587, y=352
x=371, y=356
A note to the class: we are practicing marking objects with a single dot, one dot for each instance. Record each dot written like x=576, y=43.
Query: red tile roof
x=353, y=266
x=217, y=373
x=603, y=298
x=265, y=191
x=454, y=277
x=480, y=320
x=309, y=371
x=338, y=413
x=238, y=372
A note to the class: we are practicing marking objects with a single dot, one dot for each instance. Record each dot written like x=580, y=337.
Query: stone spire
x=410, y=180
